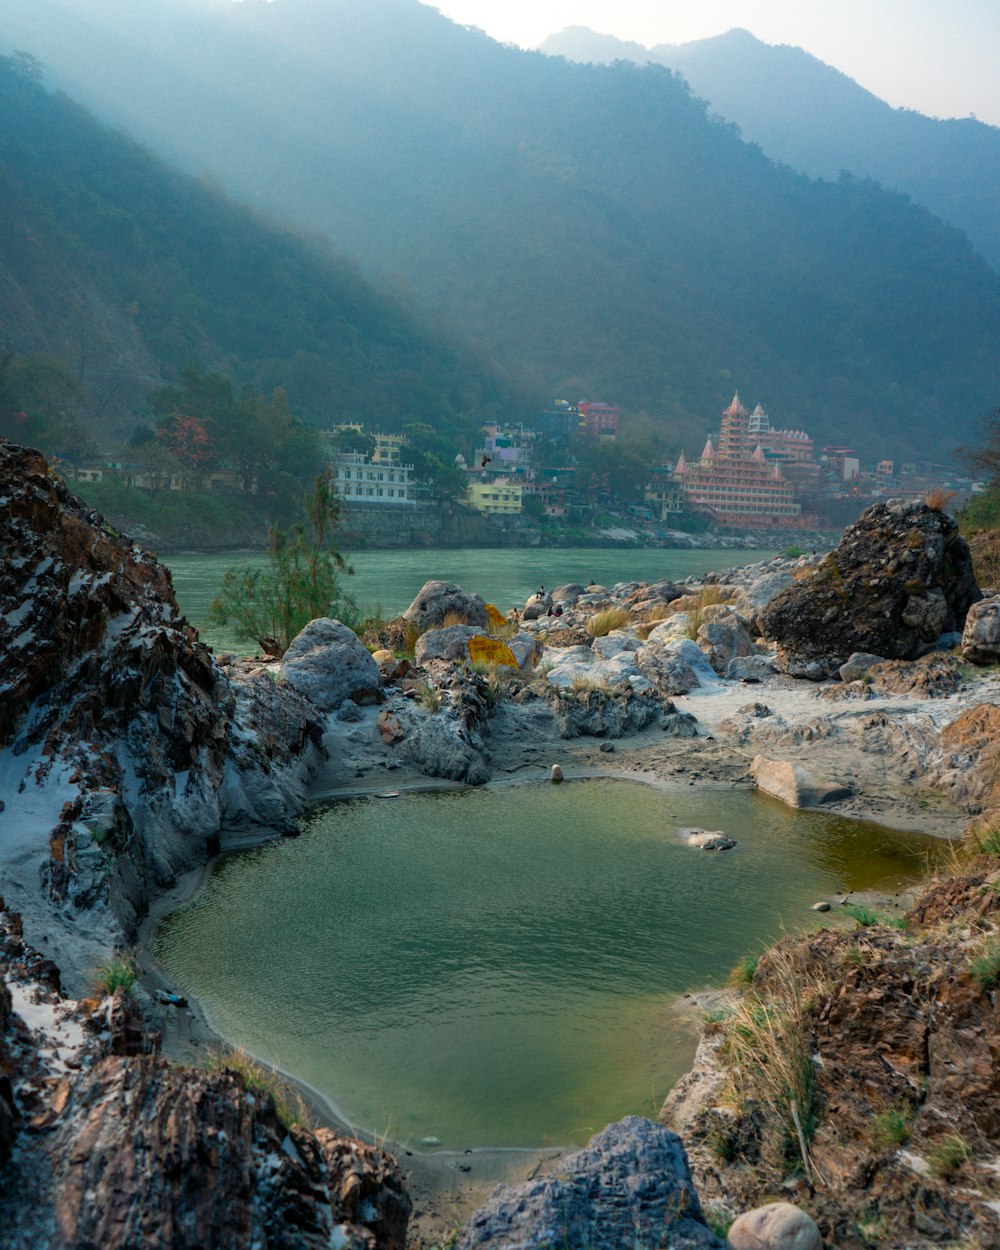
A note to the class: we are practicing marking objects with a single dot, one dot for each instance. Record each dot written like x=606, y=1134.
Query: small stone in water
x=821, y=906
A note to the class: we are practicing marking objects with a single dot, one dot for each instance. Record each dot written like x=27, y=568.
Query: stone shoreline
x=127, y=752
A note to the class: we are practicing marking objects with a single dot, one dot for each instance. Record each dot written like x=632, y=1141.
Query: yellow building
x=495, y=497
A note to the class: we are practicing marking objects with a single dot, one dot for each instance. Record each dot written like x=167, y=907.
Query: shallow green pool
x=497, y=967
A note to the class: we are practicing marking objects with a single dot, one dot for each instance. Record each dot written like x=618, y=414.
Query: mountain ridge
x=819, y=120
x=590, y=226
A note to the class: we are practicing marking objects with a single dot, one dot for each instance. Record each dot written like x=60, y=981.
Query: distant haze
x=938, y=58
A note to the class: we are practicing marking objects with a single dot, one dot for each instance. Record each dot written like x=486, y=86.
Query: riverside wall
x=426, y=525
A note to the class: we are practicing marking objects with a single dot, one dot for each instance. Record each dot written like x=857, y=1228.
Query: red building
x=597, y=420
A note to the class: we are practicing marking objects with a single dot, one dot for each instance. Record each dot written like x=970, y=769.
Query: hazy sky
x=937, y=56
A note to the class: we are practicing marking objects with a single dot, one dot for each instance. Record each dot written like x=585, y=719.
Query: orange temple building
x=737, y=483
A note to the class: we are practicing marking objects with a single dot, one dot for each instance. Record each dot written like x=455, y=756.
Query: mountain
x=590, y=226
x=127, y=270
x=818, y=120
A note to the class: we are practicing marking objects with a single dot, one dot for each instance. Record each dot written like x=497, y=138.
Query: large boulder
x=724, y=641
x=328, y=663
x=899, y=578
x=981, y=637
x=450, y=643
x=439, y=600
x=792, y=784
x=631, y=1186
x=670, y=673
x=759, y=593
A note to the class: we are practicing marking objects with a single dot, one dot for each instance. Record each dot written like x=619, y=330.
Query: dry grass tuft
x=938, y=499
x=768, y=1060
x=602, y=623
x=454, y=618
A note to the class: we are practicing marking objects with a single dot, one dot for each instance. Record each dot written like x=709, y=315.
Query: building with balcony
x=359, y=479
x=736, y=484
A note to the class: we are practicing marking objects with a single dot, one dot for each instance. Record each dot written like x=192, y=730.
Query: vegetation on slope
x=126, y=269
x=592, y=225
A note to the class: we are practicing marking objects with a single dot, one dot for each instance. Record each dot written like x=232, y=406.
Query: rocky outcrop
x=124, y=1151
x=899, y=578
x=436, y=601
x=328, y=663
x=614, y=713
x=900, y=1036
x=124, y=746
x=631, y=1186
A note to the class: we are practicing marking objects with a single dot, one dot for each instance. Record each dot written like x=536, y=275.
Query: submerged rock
x=631, y=1186
x=709, y=840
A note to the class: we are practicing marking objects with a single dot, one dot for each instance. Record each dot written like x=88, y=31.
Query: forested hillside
x=820, y=121
x=127, y=271
x=590, y=225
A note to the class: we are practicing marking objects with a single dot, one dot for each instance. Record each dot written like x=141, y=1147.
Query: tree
x=300, y=583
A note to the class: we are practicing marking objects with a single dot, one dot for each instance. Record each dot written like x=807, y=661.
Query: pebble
x=821, y=906
x=557, y=774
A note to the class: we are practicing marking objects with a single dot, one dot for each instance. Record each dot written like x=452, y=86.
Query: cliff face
x=105, y=1145
x=124, y=747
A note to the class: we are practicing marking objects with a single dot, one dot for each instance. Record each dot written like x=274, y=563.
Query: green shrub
x=792, y=552
x=867, y=917
x=892, y=1127
x=769, y=1063
x=743, y=970
x=120, y=972
x=946, y=1157
x=985, y=967
x=270, y=606
x=428, y=697
x=989, y=843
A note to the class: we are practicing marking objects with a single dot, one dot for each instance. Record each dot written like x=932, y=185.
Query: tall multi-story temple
x=737, y=483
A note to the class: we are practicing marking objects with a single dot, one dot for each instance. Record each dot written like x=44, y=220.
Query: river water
x=387, y=581
x=500, y=967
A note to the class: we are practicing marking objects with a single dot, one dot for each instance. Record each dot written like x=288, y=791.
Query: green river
x=387, y=581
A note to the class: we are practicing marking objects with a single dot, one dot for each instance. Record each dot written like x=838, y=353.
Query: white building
x=360, y=480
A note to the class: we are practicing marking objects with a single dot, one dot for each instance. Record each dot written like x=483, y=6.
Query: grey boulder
x=981, y=637
x=437, y=600
x=450, y=643
x=328, y=663
x=631, y=1186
